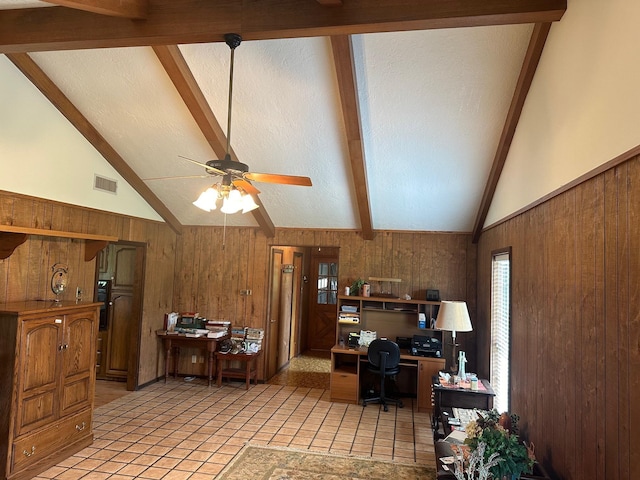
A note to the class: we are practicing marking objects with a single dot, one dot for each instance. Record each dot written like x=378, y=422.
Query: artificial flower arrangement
x=497, y=434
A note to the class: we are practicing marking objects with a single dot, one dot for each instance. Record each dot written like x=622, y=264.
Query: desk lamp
x=454, y=317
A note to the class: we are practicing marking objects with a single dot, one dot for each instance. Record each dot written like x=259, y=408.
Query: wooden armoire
x=47, y=383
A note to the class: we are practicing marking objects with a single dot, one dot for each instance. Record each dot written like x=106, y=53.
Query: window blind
x=500, y=329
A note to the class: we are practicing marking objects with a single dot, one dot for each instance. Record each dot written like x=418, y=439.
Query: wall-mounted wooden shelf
x=11, y=237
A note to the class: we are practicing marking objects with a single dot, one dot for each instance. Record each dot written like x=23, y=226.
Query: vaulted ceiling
x=401, y=113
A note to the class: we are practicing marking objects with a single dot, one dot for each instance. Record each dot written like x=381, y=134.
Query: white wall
x=43, y=155
x=583, y=108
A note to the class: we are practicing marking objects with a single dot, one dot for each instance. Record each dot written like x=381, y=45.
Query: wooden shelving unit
x=11, y=237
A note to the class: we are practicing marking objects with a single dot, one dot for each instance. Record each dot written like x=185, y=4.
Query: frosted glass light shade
x=207, y=200
x=248, y=203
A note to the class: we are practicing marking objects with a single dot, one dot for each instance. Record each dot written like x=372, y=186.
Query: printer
x=425, y=346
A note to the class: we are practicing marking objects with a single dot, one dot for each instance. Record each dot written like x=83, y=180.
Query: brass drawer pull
x=28, y=454
x=81, y=427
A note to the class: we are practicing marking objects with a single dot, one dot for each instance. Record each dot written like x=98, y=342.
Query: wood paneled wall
x=210, y=275
x=205, y=268
x=575, y=325
x=27, y=272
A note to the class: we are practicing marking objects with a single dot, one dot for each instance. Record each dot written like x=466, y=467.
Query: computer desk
x=349, y=364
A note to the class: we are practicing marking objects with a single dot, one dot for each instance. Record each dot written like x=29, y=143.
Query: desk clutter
x=243, y=340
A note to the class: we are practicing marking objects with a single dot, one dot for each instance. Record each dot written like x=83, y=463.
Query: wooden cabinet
x=47, y=374
x=427, y=369
x=344, y=376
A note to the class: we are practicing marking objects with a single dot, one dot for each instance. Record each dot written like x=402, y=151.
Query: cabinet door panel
x=41, y=339
x=79, y=352
x=76, y=394
x=37, y=410
x=427, y=369
x=38, y=400
x=78, y=362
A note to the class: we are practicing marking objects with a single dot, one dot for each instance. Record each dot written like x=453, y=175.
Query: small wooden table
x=247, y=373
x=173, y=342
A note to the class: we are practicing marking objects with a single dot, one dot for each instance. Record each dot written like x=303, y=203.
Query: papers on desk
x=457, y=437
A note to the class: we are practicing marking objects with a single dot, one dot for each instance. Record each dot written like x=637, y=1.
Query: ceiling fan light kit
x=235, y=189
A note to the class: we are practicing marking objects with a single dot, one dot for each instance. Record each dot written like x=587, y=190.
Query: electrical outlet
x=201, y=359
x=194, y=358
x=245, y=292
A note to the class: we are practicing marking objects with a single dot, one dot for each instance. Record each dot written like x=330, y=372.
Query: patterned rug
x=279, y=463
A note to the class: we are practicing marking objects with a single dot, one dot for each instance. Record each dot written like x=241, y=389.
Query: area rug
x=280, y=463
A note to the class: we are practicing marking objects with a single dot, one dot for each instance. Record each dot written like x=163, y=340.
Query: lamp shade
x=454, y=317
x=207, y=200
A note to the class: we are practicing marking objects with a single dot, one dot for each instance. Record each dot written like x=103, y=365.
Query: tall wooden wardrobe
x=47, y=383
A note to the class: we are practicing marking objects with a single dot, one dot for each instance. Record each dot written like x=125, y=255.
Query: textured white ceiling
x=432, y=104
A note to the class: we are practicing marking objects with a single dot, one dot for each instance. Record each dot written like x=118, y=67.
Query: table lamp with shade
x=453, y=316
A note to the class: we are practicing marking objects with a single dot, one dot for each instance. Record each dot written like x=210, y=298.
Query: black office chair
x=384, y=360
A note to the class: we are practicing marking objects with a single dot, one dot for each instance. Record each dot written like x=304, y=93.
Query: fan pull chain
x=224, y=231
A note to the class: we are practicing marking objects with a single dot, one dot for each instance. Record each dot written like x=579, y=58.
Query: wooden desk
x=346, y=372
x=446, y=396
x=174, y=342
x=249, y=372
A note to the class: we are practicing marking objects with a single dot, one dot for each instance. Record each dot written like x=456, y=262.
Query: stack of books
x=238, y=335
x=254, y=339
x=217, y=328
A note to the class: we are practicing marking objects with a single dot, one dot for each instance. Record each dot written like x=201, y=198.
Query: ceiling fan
x=236, y=175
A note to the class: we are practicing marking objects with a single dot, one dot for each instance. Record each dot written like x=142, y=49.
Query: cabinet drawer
x=344, y=386
x=33, y=448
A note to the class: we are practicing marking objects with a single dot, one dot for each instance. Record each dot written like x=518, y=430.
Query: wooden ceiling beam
x=50, y=90
x=180, y=74
x=528, y=70
x=345, y=71
x=135, y=9
x=174, y=22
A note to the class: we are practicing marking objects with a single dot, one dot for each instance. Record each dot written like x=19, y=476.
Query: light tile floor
x=187, y=430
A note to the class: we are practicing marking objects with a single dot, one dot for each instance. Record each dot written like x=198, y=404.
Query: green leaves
x=514, y=455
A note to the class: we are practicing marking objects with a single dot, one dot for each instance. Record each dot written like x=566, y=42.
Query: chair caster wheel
x=386, y=409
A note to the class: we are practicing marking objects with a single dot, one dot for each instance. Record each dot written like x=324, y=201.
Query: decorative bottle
x=462, y=359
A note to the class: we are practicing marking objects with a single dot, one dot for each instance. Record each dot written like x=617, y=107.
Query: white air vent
x=105, y=184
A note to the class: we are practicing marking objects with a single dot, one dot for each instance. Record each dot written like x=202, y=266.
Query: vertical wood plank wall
x=194, y=271
x=575, y=324
x=27, y=272
x=210, y=277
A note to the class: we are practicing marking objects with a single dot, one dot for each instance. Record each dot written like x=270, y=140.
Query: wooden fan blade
x=246, y=186
x=204, y=165
x=282, y=179
x=175, y=178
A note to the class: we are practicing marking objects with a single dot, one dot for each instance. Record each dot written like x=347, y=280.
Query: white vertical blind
x=500, y=329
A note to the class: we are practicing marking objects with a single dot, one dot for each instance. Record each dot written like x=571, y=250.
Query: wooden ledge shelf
x=11, y=237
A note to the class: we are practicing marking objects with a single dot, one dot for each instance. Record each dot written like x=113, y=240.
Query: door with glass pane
x=324, y=297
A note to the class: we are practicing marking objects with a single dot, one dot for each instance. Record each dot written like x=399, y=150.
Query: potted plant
x=499, y=435
x=356, y=286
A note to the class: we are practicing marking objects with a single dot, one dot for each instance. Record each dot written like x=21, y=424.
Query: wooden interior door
x=285, y=319
x=118, y=341
x=323, y=299
x=296, y=305
x=273, y=333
